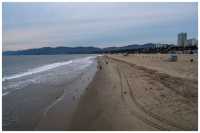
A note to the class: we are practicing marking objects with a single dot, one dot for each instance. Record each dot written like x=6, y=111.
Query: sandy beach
x=140, y=92
x=136, y=92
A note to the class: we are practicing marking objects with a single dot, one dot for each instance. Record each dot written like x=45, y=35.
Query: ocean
x=32, y=85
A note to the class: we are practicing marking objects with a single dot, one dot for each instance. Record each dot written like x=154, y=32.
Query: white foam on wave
x=5, y=93
x=47, y=67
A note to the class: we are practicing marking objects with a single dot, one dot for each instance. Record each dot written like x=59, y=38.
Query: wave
x=5, y=93
x=46, y=68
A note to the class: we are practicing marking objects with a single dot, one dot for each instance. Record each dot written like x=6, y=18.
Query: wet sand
x=58, y=114
x=140, y=92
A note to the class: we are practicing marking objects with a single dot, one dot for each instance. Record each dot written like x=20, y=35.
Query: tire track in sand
x=163, y=78
x=161, y=119
x=135, y=113
x=147, y=112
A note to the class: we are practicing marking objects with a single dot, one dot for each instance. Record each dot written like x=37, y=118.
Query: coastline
x=46, y=97
x=63, y=108
x=126, y=96
x=136, y=92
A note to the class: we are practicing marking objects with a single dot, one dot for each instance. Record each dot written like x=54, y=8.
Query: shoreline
x=62, y=111
x=126, y=93
x=124, y=96
x=38, y=105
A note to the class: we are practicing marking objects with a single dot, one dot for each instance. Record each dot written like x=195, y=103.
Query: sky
x=35, y=25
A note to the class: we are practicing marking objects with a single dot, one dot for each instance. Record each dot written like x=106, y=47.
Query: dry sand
x=140, y=92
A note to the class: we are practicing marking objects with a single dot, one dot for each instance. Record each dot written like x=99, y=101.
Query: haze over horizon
x=35, y=25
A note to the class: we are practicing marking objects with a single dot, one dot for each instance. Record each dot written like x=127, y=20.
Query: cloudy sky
x=34, y=25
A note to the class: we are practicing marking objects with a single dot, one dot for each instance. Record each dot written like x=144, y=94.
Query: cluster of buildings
x=159, y=45
x=181, y=42
x=184, y=42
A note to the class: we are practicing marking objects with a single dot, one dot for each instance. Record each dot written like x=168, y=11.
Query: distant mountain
x=129, y=47
x=75, y=50
x=57, y=50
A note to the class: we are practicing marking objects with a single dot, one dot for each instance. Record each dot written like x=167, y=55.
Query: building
x=159, y=45
x=182, y=39
x=192, y=42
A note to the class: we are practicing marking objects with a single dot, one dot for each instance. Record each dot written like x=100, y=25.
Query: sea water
x=31, y=84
